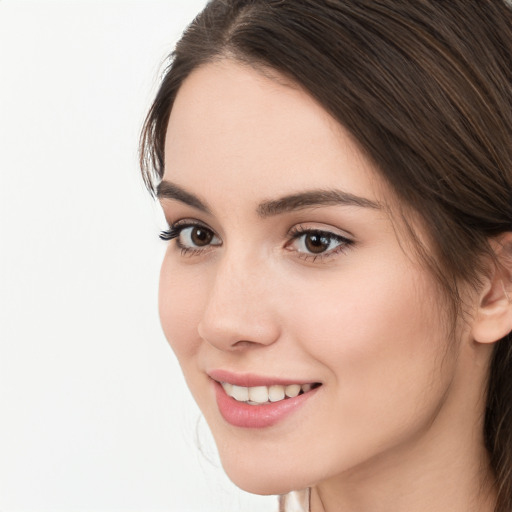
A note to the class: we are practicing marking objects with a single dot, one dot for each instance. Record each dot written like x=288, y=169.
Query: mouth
x=261, y=395
x=259, y=405
x=250, y=400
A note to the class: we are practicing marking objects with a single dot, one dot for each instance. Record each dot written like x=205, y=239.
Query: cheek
x=181, y=303
x=362, y=305
x=380, y=340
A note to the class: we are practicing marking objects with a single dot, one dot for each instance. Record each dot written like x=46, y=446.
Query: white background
x=94, y=414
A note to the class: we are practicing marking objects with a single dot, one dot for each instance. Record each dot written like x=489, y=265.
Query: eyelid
x=341, y=237
x=298, y=231
x=176, y=227
x=305, y=227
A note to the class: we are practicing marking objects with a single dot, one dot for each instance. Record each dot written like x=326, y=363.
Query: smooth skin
x=397, y=422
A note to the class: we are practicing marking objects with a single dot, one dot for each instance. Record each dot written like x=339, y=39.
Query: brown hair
x=425, y=87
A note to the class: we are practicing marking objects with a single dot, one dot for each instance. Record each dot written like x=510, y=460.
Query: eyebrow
x=313, y=198
x=292, y=202
x=169, y=190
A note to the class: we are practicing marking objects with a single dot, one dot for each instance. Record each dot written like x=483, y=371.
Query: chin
x=255, y=482
x=272, y=476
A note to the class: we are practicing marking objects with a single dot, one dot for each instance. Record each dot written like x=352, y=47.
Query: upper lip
x=249, y=380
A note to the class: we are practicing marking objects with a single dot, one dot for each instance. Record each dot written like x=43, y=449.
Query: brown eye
x=196, y=237
x=201, y=236
x=316, y=243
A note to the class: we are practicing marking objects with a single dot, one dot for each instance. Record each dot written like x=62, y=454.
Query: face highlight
x=284, y=287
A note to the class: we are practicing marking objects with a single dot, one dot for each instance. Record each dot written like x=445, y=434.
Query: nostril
x=242, y=344
x=232, y=328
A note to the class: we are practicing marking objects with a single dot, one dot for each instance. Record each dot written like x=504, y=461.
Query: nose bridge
x=238, y=308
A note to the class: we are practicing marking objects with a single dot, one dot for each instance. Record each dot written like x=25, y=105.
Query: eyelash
x=295, y=234
x=177, y=229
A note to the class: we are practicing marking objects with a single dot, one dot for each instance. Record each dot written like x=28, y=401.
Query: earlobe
x=493, y=320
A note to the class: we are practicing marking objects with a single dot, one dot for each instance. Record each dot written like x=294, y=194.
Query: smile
x=260, y=395
x=257, y=405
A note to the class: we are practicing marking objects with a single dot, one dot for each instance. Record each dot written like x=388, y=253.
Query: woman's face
x=285, y=275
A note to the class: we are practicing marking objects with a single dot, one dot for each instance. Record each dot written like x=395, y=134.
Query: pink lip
x=240, y=414
x=249, y=380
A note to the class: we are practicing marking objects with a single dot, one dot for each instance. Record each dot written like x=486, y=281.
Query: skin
x=397, y=423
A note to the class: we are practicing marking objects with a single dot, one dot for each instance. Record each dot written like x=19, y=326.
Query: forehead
x=235, y=132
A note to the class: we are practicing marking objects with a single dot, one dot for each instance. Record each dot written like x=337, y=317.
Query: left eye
x=191, y=236
x=196, y=236
x=318, y=242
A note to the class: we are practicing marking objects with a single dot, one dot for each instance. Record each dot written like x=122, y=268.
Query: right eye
x=191, y=237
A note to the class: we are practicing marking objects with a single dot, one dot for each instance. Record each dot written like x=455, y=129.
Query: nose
x=240, y=310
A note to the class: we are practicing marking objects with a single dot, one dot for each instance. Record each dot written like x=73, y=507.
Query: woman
x=337, y=179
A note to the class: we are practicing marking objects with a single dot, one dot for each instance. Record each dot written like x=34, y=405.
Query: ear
x=493, y=319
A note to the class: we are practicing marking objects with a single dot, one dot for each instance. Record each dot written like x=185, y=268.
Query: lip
x=249, y=380
x=240, y=414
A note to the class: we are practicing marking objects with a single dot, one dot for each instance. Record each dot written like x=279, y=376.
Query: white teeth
x=258, y=395
x=240, y=393
x=306, y=387
x=228, y=388
x=276, y=393
x=292, y=390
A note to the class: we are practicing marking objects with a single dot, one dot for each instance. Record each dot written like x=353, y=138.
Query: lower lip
x=240, y=414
